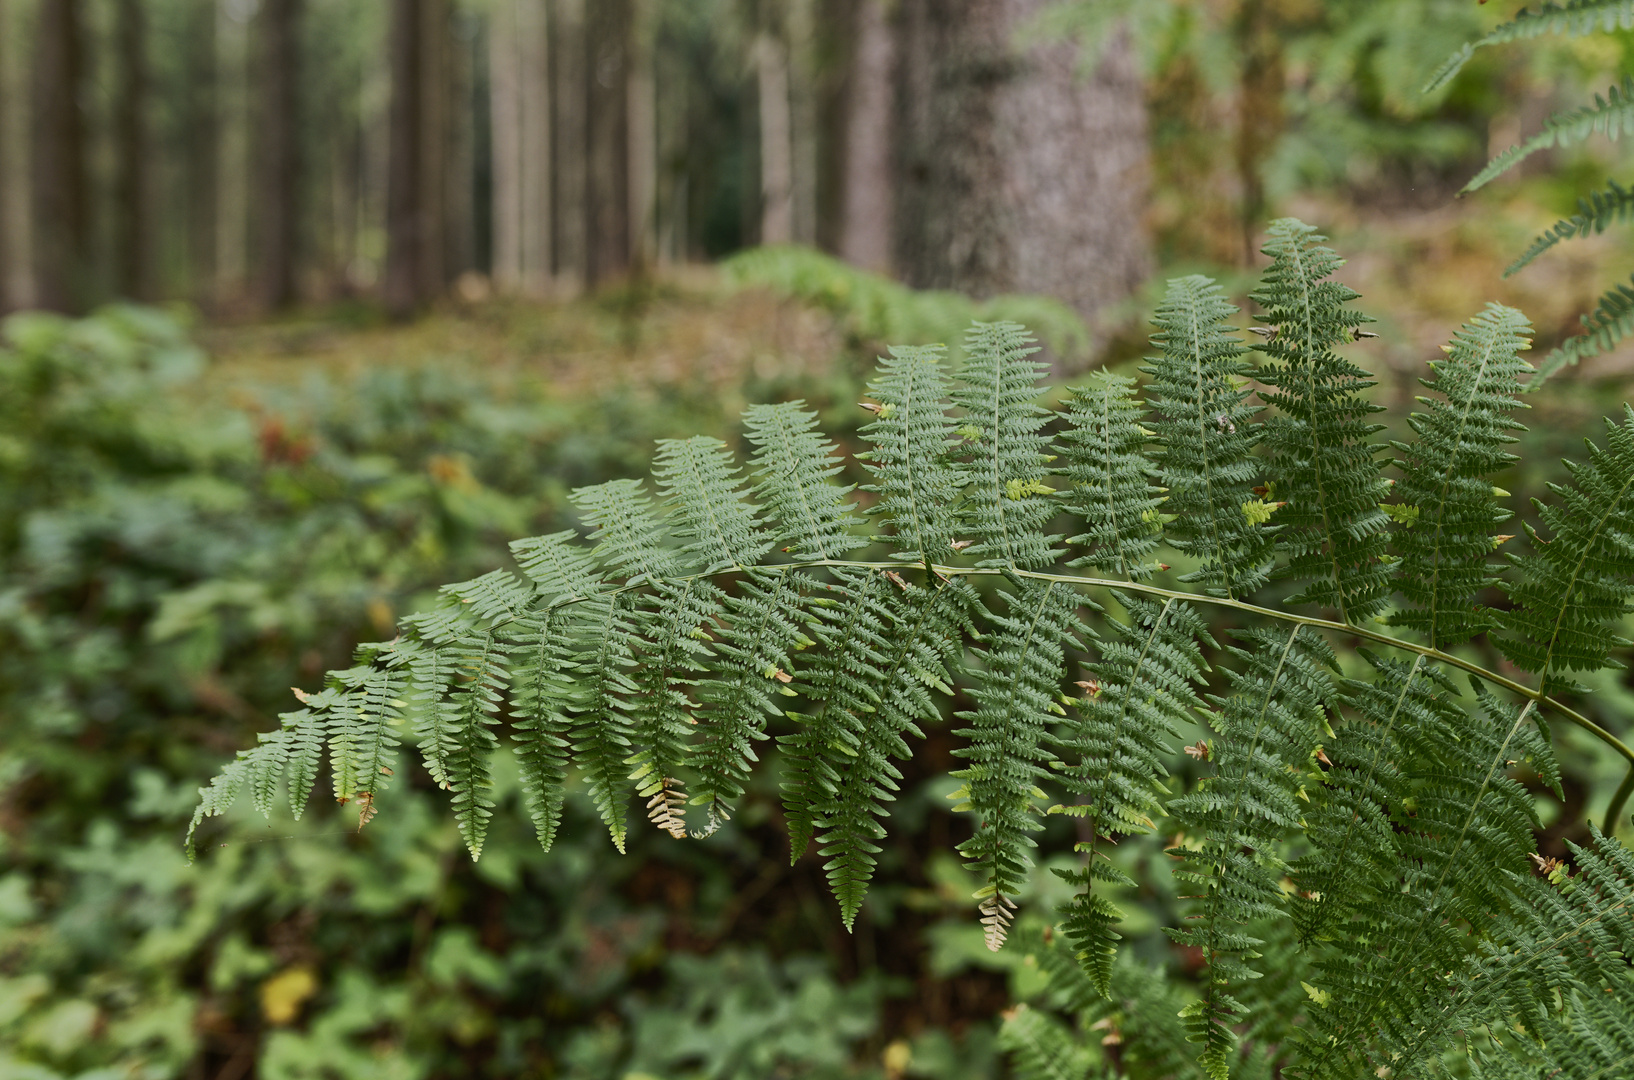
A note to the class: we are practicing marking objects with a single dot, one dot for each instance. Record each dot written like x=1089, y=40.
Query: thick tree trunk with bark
x=277, y=213
x=61, y=203
x=1021, y=172
x=132, y=222
x=868, y=177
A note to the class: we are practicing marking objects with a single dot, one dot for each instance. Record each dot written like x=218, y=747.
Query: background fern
x=1357, y=846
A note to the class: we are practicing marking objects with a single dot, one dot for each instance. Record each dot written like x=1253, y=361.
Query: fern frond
x=840, y=686
x=1241, y=814
x=604, y=729
x=1017, y=688
x=1207, y=434
x=1575, y=18
x=1574, y=588
x=630, y=536
x=1041, y=1047
x=1598, y=211
x=1111, y=478
x=1445, y=499
x=362, y=742
x=1607, y=326
x=1322, y=466
x=1010, y=502
x=796, y=467
x=674, y=654
x=767, y=618
x=699, y=481
x=912, y=434
x=260, y=768
x=545, y=696
x=916, y=651
x=1611, y=116
x=1463, y=830
x=1141, y=691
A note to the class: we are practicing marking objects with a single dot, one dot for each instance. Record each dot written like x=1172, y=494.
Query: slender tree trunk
x=435, y=145
x=607, y=201
x=1023, y=173
x=506, y=112
x=277, y=213
x=404, y=198
x=456, y=164
x=201, y=149
x=1259, y=109
x=131, y=210
x=7, y=245
x=642, y=150
x=61, y=207
x=776, y=140
x=868, y=179
x=570, y=152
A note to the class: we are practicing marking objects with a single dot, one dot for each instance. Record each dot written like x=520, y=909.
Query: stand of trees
x=251, y=154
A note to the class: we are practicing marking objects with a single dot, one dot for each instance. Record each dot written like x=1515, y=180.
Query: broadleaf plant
x=1358, y=850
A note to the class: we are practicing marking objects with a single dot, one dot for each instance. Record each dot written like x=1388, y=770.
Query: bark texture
x=418, y=156
x=867, y=178
x=1022, y=170
x=61, y=205
x=132, y=216
x=776, y=140
x=607, y=197
x=519, y=87
x=277, y=217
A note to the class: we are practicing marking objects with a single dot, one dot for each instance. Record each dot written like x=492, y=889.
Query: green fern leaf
x=1111, y=478
x=1611, y=116
x=1575, y=18
x=1607, y=326
x=917, y=485
x=1140, y=694
x=1041, y=1048
x=796, y=469
x=1446, y=476
x=700, y=483
x=1240, y=814
x=1320, y=457
x=1206, y=433
x=1016, y=689
x=1575, y=586
x=1596, y=212
x=1008, y=465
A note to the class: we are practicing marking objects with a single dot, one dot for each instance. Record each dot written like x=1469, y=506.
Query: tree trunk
x=1021, y=172
x=201, y=150
x=867, y=179
x=519, y=87
x=641, y=93
x=776, y=140
x=131, y=210
x=61, y=210
x=13, y=252
x=1259, y=106
x=607, y=118
x=570, y=150
x=277, y=213
x=405, y=195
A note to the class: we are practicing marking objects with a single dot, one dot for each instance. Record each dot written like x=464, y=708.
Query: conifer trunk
x=61, y=206
x=569, y=149
x=131, y=211
x=607, y=117
x=519, y=86
x=776, y=140
x=1021, y=173
x=867, y=180
x=200, y=150
x=277, y=214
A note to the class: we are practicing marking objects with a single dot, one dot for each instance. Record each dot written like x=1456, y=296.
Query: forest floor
x=1421, y=273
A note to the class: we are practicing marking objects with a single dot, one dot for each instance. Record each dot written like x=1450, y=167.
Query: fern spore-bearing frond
x=1322, y=466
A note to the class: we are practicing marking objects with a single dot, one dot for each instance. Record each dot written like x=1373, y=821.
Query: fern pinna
x=1355, y=842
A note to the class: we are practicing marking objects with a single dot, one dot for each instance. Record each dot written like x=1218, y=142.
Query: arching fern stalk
x=1357, y=846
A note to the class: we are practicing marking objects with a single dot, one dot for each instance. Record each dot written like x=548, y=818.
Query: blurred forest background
x=317, y=303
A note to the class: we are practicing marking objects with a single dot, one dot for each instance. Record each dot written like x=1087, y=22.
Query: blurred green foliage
x=168, y=570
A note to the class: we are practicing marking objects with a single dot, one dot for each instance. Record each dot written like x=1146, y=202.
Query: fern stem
x=1619, y=798
x=1567, y=713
